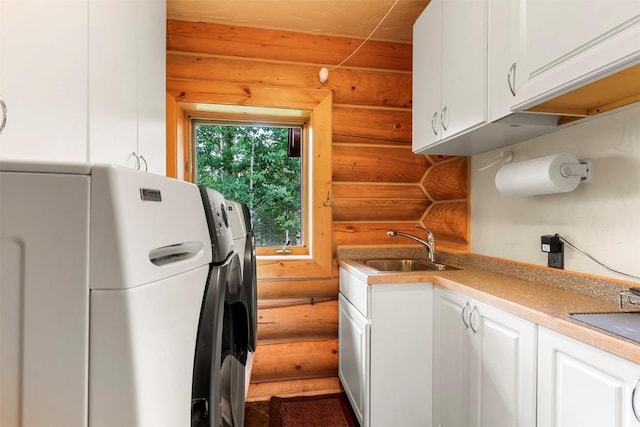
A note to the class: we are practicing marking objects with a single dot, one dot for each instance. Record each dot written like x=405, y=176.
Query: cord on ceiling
x=324, y=72
x=368, y=37
x=596, y=261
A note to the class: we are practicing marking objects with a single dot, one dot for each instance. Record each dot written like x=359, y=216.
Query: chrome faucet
x=429, y=244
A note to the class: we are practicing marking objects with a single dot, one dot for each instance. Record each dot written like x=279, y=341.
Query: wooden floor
x=256, y=414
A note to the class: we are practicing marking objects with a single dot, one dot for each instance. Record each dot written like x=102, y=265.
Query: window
x=262, y=165
x=313, y=259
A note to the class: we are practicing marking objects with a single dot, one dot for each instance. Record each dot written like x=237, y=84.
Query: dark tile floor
x=256, y=414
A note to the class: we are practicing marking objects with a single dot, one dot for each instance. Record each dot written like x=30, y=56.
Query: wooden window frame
x=318, y=102
x=230, y=120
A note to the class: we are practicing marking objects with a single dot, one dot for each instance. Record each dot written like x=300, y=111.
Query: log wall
x=378, y=183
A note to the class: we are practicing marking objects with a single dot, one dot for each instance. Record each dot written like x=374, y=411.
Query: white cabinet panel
x=569, y=43
x=484, y=364
x=505, y=68
x=506, y=370
x=113, y=82
x=83, y=80
x=450, y=70
x=43, y=79
x=385, y=356
x=151, y=84
x=581, y=385
x=451, y=349
x=467, y=68
x=427, y=77
x=353, y=348
x=559, y=30
x=127, y=83
x=44, y=304
x=464, y=65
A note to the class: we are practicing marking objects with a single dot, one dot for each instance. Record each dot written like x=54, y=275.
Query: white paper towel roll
x=537, y=176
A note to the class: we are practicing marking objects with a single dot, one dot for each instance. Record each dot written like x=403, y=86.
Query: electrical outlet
x=556, y=259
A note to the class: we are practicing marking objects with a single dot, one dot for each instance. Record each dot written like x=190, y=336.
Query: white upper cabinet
x=152, y=131
x=569, y=43
x=127, y=83
x=464, y=66
x=84, y=80
x=467, y=61
x=511, y=70
x=113, y=82
x=43, y=79
x=427, y=77
x=450, y=71
x=504, y=50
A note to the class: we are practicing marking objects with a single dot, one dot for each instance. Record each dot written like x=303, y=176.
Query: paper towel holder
x=556, y=173
x=581, y=169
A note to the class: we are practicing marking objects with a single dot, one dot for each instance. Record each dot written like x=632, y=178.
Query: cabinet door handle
x=511, y=79
x=433, y=123
x=4, y=115
x=475, y=310
x=444, y=118
x=135, y=156
x=633, y=401
x=141, y=160
x=464, y=310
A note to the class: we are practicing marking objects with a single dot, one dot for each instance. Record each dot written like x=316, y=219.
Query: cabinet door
x=427, y=77
x=568, y=43
x=505, y=68
x=43, y=79
x=151, y=31
x=503, y=368
x=464, y=65
x=353, y=365
x=400, y=358
x=451, y=359
x=113, y=81
x=484, y=365
x=580, y=385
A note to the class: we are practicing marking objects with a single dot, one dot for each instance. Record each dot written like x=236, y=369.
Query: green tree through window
x=250, y=164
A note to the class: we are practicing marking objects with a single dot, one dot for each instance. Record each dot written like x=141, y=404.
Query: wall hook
x=327, y=202
x=504, y=156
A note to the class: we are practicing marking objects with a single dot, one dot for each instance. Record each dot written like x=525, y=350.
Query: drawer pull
x=4, y=115
x=475, y=310
x=464, y=310
x=633, y=400
x=433, y=123
x=511, y=79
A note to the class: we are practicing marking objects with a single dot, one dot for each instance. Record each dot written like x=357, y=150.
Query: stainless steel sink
x=622, y=323
x=405, y=265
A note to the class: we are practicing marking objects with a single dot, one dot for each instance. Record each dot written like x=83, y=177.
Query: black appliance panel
x=215, y=211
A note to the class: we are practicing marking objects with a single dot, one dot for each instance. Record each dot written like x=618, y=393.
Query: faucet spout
x=429, y=244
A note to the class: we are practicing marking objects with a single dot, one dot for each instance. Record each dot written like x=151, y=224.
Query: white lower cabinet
x=412, y=355
x=484, y=365
x=353, y=353
x=580, y=385
x=385, y=348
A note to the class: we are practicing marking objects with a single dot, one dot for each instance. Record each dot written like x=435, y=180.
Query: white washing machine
x=218, y=377
x=244, y=242
x=102, y=275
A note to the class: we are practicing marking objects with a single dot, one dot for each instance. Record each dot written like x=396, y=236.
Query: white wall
x=601, y=217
